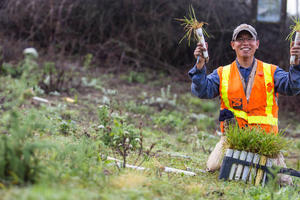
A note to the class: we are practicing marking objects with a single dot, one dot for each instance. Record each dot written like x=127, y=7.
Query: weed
x=135, y=77
x=165, y=100
x=120, y=136
x=56, y=78
x=75, y=159
x=200, y=105
x=88, y=60
x=67, y=126
x=132, y=106
x=170, y=120
x=9, y=69
x=95, y=83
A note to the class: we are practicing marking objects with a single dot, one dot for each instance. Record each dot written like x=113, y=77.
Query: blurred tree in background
x=136, y=33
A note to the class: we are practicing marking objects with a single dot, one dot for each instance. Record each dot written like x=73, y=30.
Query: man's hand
x=199, y=52
x=295, y=51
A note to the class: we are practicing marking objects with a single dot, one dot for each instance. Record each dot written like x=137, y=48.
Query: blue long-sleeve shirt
x=207, y=86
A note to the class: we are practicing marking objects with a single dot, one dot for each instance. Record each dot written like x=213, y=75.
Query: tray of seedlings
x=249, y=154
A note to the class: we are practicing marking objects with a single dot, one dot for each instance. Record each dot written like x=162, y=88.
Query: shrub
x=123, y=138
x=57, y=77
x=134, y=107
x=19, y=161
x=21, y=82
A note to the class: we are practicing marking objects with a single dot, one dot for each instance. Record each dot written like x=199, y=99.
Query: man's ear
x=257, y=44
x=232, y=45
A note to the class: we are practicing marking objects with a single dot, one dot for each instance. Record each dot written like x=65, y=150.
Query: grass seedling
x=295, y=29
x=194, y=29
x=255, y=140
x=191, y=24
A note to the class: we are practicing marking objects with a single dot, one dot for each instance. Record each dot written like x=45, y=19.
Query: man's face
x=245, y=45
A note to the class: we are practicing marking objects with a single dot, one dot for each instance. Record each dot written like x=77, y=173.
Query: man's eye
x=244, y=39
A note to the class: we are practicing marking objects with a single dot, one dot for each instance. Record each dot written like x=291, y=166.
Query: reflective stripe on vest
x=269, y=119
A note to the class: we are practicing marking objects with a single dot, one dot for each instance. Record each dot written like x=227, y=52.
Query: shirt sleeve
x=287, y=83
x=204, y=86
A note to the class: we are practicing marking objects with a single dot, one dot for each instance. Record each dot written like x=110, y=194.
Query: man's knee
x=214, y=160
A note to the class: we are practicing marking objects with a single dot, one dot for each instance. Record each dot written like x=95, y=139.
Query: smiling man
x=248, y=88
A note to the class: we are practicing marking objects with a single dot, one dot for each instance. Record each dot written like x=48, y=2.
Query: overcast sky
x=291, y=7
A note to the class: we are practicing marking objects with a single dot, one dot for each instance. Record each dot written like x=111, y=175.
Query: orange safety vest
x=260, y=109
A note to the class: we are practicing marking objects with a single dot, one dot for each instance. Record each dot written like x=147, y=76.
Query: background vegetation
x=140, y=33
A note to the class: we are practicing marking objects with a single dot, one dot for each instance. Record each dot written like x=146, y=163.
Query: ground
x=182, y=127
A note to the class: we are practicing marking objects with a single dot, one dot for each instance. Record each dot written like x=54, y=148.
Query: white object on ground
x=176, y=155
x=31, y=51
x=179, y=171
x=40, y=99
x=166, y=169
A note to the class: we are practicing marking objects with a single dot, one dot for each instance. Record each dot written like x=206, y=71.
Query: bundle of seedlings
x=255, y=146
x=194, y=30
x=295, y=31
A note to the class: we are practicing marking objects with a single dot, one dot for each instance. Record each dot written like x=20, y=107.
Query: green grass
x=72, y=161
x=255, y=140
x=294, y=28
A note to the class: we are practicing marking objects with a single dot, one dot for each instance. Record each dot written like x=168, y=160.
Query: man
x=247, y=88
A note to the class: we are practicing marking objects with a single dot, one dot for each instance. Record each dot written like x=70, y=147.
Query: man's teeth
x=245, y=49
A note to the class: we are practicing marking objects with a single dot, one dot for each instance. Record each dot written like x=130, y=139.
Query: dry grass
x=130, y=180
x=196, y=188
